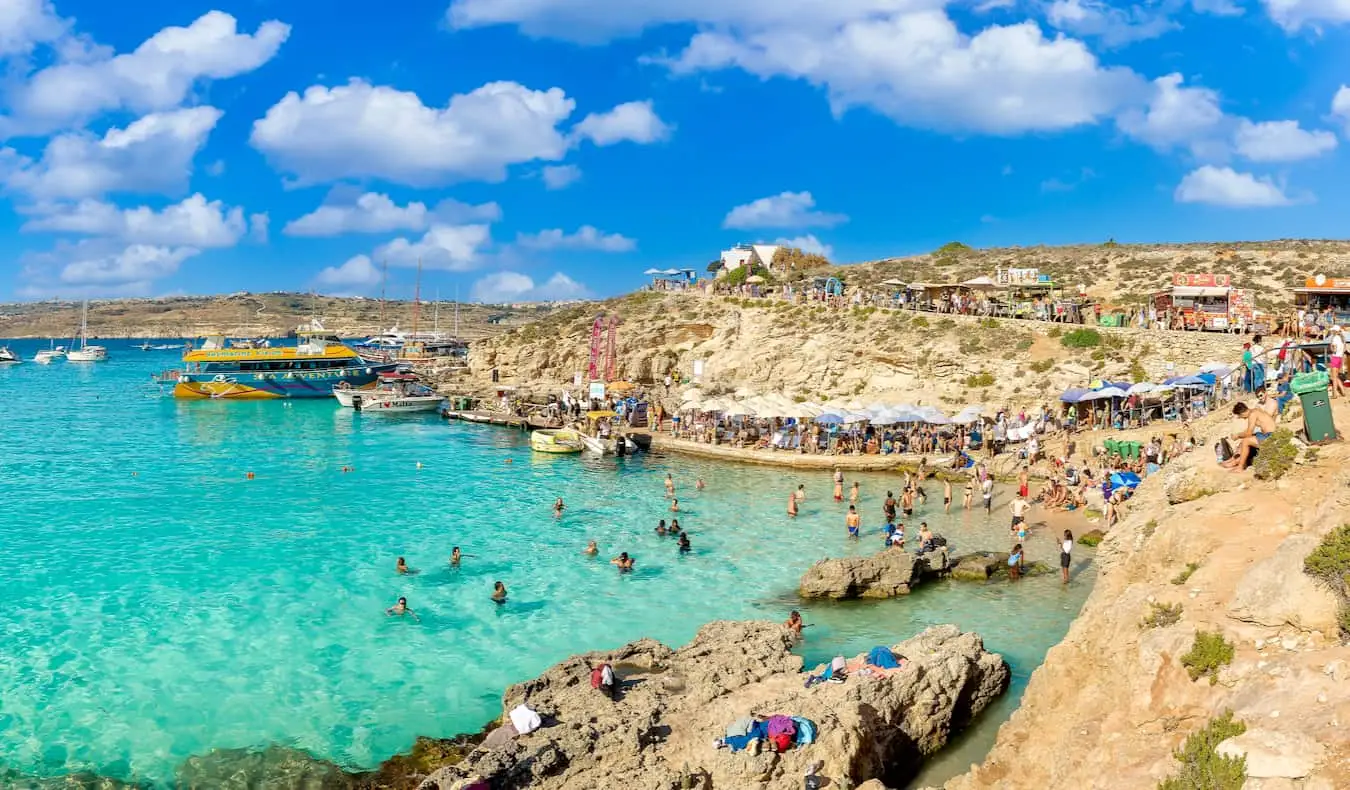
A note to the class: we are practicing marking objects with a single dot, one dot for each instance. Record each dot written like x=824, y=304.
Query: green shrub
x=1207, y=656
x=920, y=322
x=1202, y=767
x=1150, y=527
x=1185, y=574
x=1042, y=366
x=1054, y=332
x=1330, y=564
x=989, y=323
x=1025, y=344
x=1161, y=615
x=1137, y=372
x=980, y=380
x=1276, y=455
x=1082, y=338
x=946, y=323
x=952, y=248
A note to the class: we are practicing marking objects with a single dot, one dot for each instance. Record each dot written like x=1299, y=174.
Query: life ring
x=220, y=378
x=342, y=385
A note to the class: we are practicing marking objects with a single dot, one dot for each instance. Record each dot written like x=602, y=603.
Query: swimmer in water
x=591, y=549
x=402, y=566
x=455, y=557
x=853, y=494
x=558, y=508
x=674, y=526
x=661, y=527
x=684, y=543
x=792, y=505
x=838, y=486
x=700, y=485
x=674, y=505
x=499, y=592
x=670, y=486
x=794, y=623
x=623, y=562
x=401, y=608
x=801, y=493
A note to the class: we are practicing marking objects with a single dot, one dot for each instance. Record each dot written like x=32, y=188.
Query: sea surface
x=157, y=603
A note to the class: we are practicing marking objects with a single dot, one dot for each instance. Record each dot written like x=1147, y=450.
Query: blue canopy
x=1074, y=394
x=1124, y=480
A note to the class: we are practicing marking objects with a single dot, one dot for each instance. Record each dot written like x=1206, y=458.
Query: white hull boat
x=398, y=393
x=49, y=355
x=85, y=352
x=8, y=357
x=593, y=444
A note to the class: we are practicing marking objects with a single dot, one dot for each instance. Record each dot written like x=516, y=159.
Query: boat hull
x=275, y=386
x=556, y=442
x=87, y=355
x=409, y=405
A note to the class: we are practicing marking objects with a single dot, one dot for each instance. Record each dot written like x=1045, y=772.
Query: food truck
x=1328, y=298
x=1204, y=301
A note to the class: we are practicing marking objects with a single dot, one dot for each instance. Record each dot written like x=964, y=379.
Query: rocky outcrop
x=658, y=733
x=886, y=574
x=979, y=566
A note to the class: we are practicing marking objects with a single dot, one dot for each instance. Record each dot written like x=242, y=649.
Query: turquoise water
x=158, y=603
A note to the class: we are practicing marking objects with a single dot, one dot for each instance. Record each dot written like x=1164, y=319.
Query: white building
x=748, y=255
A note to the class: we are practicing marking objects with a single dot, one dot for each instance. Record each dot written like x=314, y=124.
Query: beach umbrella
x=937, y=418
x=650, y=272
x=755, y=279
x=1110, y=392
x=738, y=410
x=829, y=418
x=1141, y=388
x=1073, y=394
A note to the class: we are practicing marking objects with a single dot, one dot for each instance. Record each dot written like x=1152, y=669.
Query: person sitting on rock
x=602, y=679
x=1259, y=426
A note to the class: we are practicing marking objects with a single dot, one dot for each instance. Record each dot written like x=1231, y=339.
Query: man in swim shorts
x=853, y=521
x=1259, y=426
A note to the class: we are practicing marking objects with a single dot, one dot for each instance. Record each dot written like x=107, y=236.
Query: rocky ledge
x=886, y=574
x=658, y=732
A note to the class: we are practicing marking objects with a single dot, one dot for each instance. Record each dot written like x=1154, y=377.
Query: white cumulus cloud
x=1223, y=186
x=25, y=24
x=1340, y=106
x=138, y=263
x=1177, y=116
x=374, y=212
x=784, y=210
x=356, y=273
x=359, y=130
x=500, y=287
x=808, y=243
x=258, y=226
x=151, y=155
x=453, y=248
x=586, y=237
x=159, y=75
x=1281, y=141
x=1113, y=25
x=194, y=222
x=560, y=176
x=1294, y=14
x=634, y=121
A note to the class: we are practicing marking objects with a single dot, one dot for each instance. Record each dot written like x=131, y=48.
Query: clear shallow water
x=158, y=604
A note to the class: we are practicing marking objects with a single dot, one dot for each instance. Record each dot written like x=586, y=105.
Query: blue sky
x=534, y=149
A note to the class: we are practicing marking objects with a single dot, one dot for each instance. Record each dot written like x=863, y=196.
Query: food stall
x=1028, y=292
x=1327, y=298
x=1197, y=301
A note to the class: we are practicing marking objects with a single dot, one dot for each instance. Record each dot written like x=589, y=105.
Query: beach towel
x=882, y=657
x=806, y=730
x=740, y=727
x=524, y=720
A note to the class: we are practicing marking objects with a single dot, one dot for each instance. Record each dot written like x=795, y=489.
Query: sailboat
x=85, y=352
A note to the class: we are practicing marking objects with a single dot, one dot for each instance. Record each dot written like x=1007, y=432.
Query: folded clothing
x=882, y=657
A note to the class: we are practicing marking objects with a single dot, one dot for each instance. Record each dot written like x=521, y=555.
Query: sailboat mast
x=417, y=296
x=384, y=283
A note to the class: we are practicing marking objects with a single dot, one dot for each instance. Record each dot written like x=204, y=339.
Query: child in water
x=853, y=521
x=499, y=592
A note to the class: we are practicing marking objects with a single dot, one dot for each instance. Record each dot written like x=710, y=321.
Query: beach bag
x=1222, y=450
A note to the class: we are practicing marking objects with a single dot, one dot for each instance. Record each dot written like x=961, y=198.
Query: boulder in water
x=886, y=574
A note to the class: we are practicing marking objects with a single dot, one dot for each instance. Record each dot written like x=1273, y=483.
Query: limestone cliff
x=1113, y=700
x=815, y=353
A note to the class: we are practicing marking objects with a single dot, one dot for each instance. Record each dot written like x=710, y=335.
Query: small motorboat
x=144, y=347
x=393, y=393
x=49, y=355
x=8, y=357
x=593, y=444
x=560, y=440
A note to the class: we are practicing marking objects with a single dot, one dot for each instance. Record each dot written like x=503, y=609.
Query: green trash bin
x=1313, y=391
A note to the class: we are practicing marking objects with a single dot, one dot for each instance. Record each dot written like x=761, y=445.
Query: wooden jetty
x=496, y=418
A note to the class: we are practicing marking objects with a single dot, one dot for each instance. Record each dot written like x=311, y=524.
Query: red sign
x=1201, y=280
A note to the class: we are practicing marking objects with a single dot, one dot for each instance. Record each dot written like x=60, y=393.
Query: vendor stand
x=1325, y=299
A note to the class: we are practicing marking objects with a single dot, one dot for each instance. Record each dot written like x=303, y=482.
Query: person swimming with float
x=499, y=592
x=401, y=608
x=623, y=562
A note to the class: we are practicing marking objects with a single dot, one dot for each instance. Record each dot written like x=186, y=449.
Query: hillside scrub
x=1210, y=653
x=1330, y=564
x=1081, y=338
x=1202, y=767
x=1276, y=456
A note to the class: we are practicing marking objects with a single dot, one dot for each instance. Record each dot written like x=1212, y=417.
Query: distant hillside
x=251, y=315
x=1123, y=274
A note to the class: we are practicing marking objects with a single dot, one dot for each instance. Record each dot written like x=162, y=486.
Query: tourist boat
x=394, y=393
x=49, y=355
x=144, y=346
x=8, y=357
x=311, y=369
x=556, y=441
x=84, y=352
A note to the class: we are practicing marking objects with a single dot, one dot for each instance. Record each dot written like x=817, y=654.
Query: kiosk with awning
x=1329, y=296
x=1200, y=301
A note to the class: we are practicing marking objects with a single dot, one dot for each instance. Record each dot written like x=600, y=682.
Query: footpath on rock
x=1208, y=656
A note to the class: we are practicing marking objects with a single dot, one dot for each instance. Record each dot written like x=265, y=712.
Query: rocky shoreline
x=658, y=730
